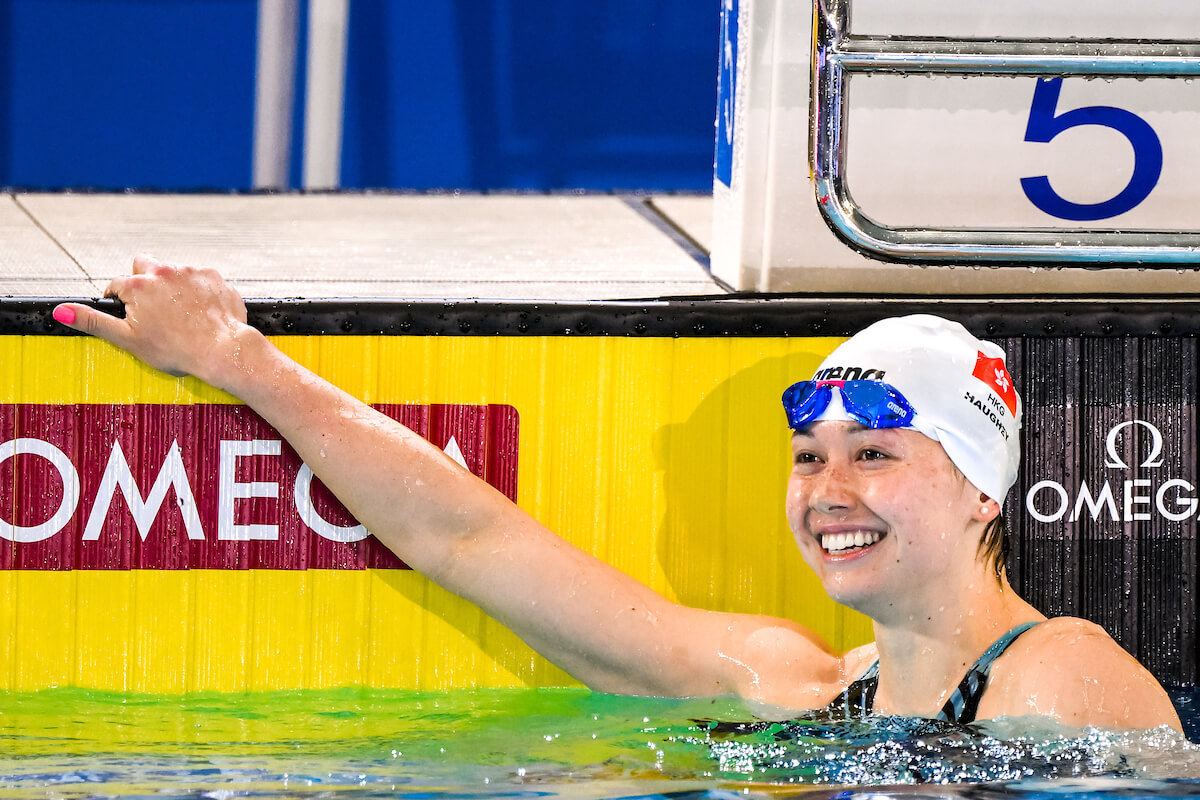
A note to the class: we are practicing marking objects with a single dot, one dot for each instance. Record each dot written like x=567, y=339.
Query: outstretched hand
x=181, y=320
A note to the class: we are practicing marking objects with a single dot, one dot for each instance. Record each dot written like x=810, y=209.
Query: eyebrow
x=858, y=428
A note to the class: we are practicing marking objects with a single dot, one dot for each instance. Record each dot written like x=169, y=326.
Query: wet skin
x=894, y=484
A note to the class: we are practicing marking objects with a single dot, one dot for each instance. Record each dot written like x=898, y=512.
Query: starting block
x=922, y=147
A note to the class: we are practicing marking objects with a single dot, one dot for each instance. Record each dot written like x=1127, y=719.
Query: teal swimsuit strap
x=858, y=699
x=963, y=705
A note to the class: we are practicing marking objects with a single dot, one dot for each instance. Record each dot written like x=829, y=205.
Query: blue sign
x=726, y=91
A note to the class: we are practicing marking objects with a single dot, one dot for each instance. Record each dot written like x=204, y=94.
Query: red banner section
x=200, y=487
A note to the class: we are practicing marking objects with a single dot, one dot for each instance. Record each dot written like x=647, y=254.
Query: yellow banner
x=667, y=458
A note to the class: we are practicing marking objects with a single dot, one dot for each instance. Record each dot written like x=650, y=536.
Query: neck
x=923, y=654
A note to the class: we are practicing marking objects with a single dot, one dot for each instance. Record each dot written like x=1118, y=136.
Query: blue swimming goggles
x=874, y=404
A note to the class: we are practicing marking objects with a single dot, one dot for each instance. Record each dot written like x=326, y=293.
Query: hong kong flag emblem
x=992, y=372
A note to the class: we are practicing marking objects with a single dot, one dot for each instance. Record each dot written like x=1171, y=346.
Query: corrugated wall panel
x=666, y=457
x=1115, y=413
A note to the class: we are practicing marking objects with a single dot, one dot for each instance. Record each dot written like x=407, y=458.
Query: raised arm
x=603, y=627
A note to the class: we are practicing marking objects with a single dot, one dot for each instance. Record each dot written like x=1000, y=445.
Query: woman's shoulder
x=1071, y=625
x=1070, y=635
x=1075, y=643
x=787, y=669
x=1071, y=669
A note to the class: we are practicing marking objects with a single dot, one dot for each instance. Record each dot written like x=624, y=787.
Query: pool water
x=72, y=743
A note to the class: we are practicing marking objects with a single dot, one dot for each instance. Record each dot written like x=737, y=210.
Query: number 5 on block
x=1044, y=125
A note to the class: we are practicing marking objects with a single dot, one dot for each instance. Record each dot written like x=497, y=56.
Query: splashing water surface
x=71, y=743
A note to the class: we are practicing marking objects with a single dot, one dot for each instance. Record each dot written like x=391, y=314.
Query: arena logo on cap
x=1131, y=446
x=94, y=486
x=849, y=374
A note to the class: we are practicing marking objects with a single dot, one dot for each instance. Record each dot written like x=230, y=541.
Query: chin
x=855, y=594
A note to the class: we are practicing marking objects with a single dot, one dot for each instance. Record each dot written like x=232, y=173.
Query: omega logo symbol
x=1153, y=459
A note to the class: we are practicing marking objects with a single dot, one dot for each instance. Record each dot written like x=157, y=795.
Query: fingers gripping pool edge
x=90, y=321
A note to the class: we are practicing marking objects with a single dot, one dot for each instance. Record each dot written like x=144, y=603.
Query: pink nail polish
x=65, y=315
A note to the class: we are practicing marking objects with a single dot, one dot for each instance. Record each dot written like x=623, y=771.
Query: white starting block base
x=534, y=247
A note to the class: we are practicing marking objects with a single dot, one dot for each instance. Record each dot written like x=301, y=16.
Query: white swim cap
x=958, y=385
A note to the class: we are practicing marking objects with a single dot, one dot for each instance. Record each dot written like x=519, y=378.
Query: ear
x=988, y=509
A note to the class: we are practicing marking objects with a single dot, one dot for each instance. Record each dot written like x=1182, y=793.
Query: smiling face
x=883, y=517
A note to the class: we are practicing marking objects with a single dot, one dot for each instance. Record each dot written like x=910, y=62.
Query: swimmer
x=904, y=448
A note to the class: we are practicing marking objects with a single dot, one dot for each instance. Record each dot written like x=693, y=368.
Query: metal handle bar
x=836, y=53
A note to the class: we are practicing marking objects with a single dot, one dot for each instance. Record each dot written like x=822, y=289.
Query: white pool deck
x=532, y=247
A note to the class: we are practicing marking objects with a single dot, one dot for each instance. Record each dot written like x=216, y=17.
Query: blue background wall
x=472, y=94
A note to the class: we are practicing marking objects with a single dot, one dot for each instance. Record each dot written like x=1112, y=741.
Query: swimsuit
x=858, y=699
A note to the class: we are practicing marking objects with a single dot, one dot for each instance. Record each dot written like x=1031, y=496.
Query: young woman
x=905, y=444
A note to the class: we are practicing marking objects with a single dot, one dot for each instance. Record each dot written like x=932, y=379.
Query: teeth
x=836, y=542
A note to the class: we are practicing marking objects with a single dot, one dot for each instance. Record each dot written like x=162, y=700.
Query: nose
x=832, y=490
